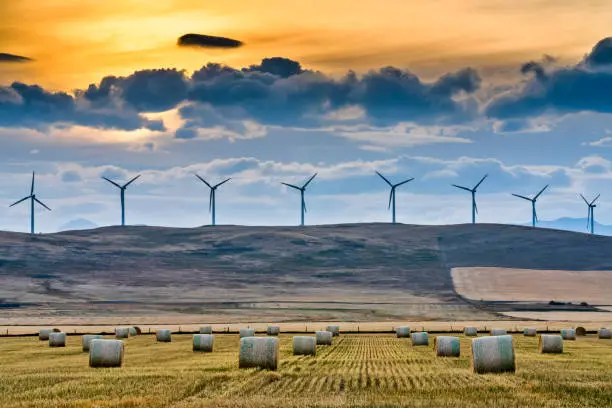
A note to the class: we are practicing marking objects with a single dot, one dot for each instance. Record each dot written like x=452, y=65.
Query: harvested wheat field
x=357, y=370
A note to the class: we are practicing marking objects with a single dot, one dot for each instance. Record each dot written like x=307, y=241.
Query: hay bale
x=86, y=339
x=259, y=352
x=203, y=342
x=550, y=343
x=580, y=331
x=304, y=346
x=247, y=333
x=206, y=330
x=568, y=334
x=324, y=338
x=470, y=331
x=604, y=333
x=273, y=330
x=447, y=346
x=57, y=339
x=529, y=332
x=498, y=332
x=164, y=335
x=493, y=354
x=105, y=353
x=335, y=330
x=122, y=332
x=43, y=334
x=403, y=331
x=132, y=331
x=419, y=339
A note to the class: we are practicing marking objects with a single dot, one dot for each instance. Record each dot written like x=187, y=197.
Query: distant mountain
x=574, y=224
x=78, y=224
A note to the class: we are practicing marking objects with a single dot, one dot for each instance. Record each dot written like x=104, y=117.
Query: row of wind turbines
x=302, y=189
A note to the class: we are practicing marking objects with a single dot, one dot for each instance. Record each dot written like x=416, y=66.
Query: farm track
x=357, y=370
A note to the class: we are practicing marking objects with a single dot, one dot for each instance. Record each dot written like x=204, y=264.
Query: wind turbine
x=591, y=216
x=32, y=198
x=302, y=190
x=392, y=193
x=211, y=200
x=473, y=191
x=122, y=189
x=534, y=214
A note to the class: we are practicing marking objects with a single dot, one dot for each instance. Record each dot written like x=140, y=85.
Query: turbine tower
x=591, y=216
x=211, y=200
x=122, y=190
x=302, y=190
x=392, y=193
x=32, y=198
x=473, y=191
x=534, y=214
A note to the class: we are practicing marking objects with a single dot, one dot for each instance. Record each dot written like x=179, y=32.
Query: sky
x=443, y=91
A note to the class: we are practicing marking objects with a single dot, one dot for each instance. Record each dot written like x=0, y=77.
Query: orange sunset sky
x=75, y=43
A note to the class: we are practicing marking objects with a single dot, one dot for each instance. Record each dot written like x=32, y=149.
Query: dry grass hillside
x=333, y=272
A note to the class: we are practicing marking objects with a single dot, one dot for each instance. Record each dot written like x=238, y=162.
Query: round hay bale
x=604, y=333
x=324, y=338
x=470, y=331
x=43, y=334
x=568, y=334
x=132, y=331
x=498, y=332
x=550, y=343
x=164, y=335
x=206, y=330
x=335, y=330
x=580, y=331
x=87, y=338
x=530, y=332
x=447, y=346
x=493, y=354
x=122, y=332
x=259, y=352
x=419, y=339
x=304, y=346
x=247, y=333
x=203, y=342
x=403, y=331
x=273, y=330
x=105, y=353
x=57, y=339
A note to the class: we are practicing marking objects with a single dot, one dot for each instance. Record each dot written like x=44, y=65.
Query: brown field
x=529, y=285
x=357, y=371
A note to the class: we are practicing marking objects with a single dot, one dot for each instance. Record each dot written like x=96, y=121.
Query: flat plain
x=364, y=370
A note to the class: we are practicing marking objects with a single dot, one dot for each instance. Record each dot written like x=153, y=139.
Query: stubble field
x=357, y=371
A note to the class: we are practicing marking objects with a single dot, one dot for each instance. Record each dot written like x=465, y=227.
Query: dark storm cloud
x=23, y=105
x=4, y=57
x=207, y=41
x=584, y=87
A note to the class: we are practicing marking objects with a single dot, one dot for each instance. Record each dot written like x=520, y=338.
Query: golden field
x=359, y=370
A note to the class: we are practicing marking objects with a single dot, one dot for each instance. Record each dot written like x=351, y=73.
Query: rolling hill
x=348, y=272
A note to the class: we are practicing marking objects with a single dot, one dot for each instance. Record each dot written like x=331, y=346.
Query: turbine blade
x=203, y=181
x=112, y=182
x=595, y=199
x=210, y=200
x=131, y=181
x=41, y=203
x=309, y=180
x=223, y=182
x=404, y=182
x=291, y=185
x=32, y=189
x=391, y=193
x=304, y=205
x=523, y=197
x=384, y=178
x=540, y=193
x=480, y=182
x=585, y=200
x=461, y=187
x=20, y=201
